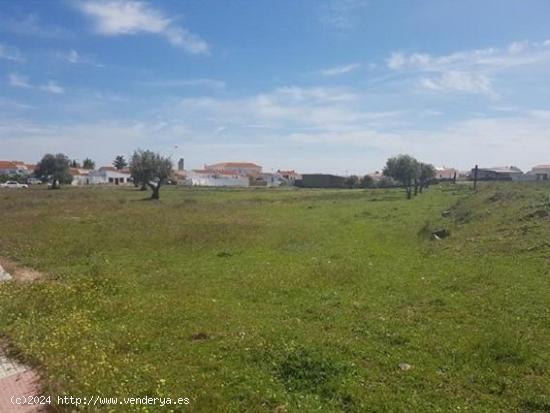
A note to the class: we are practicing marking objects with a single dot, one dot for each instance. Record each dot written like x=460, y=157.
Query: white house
x=540, y=172
x=443, y=173
x=239, y=168
x=80, y=176
x=110, y=175
x=276, y=179
x=206, y=177
x=15, y=168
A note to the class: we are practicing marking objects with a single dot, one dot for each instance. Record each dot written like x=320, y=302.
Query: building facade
x=218, y=179
x=238, y=168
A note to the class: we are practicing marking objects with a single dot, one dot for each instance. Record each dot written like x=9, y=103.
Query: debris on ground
x=17, y=272
x=441, y=233
x=405, y=366
x=4, y=275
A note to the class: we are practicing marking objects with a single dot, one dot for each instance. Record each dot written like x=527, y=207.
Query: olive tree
x=150, y=169
x=404, y=169
x=54, y=168
x=427, y=173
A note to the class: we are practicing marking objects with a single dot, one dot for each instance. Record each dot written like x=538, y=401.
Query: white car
x=13, y=184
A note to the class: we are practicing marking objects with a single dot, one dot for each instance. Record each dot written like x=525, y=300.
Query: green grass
x=285, y=300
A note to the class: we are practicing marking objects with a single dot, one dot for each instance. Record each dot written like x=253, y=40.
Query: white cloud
x=16, y=80
x=52, y=87
x=459, y=82
x=518, y=47
x=21, y=81
x=396, y=61
x=127, y=17
x=516, y=54
x=468, y=71
x=10, y=53
x=76, y=58
x=340, y=70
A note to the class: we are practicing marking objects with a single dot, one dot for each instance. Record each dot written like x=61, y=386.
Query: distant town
x=249, y=174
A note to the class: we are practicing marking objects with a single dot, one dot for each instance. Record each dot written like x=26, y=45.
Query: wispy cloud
x=10, y=53
x=460, y=82
x=76, y=58
x=127, y=17
x=340, y=70
x=341, y=14
x=9, y=104
x=199, y=83
x=16, y=80
x=468, y=71
x=31, y=25
x=20, y=81
x=52, y=87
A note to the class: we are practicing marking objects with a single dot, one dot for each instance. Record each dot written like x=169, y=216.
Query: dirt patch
x=200, y=336
x=19, y=272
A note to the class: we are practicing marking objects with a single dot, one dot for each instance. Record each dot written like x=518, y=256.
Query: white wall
x=219, y=180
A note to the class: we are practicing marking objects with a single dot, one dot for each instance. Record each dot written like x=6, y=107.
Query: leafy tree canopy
x=151, y=169
x=120, y=163
x=88, y=164
x=404, y=169
x=54, y=168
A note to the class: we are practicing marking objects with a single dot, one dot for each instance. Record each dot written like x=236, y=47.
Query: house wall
x=219, y=180
x=238, y=170
x=109, y=177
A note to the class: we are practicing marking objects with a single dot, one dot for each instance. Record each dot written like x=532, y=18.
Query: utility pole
x=475, y=178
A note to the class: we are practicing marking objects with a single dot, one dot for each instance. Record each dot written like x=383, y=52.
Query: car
x=13, y=184
x=34, y=181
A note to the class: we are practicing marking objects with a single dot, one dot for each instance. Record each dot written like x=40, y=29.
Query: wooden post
x=475, y=178
x=454, y=178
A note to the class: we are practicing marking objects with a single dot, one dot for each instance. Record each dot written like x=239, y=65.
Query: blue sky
x=316, y=86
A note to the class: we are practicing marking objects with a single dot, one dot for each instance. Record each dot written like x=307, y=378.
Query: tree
x=54, y=168
x=151, y=169
x=88, y=164
x=427, y=173
x=75, y=164
x=367, y=182
x=353, y=181
x=404, y=169
x=120, y=163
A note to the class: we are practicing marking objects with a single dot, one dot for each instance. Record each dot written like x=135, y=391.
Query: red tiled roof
x=7, y=165
x=113, y=169
x=215, y=172
x=235, y=165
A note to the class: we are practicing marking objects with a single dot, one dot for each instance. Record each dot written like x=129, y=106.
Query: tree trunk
x=156, y=191
x=55, y=184
x=415, y=187
x=409, y=191
x=143, y=187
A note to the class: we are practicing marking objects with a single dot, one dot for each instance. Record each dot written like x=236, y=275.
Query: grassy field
x=285, y=300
